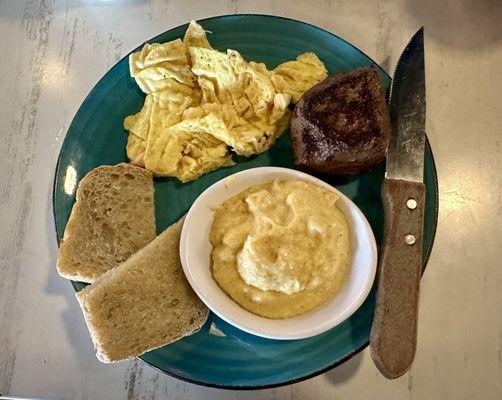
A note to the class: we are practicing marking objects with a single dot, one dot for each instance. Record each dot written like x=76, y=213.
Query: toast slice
x=113, y=217
x=144, y=303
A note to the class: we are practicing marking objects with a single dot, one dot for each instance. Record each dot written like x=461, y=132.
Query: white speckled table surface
x=54, y=51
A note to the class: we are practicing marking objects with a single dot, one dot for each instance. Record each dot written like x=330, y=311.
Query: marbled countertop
x=54, y=51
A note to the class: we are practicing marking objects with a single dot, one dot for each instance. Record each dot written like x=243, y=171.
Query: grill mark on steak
x=341, y=125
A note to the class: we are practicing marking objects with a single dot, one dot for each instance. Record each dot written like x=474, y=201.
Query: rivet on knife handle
x=394, y=331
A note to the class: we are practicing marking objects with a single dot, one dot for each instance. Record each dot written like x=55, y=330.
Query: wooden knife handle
x=393, y=338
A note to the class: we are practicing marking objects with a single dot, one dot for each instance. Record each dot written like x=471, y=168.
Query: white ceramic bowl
x=195, y=252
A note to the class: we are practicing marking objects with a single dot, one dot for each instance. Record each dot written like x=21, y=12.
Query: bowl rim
x=353, y=303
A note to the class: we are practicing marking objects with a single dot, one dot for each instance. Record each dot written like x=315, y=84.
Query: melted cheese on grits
x=280, y=249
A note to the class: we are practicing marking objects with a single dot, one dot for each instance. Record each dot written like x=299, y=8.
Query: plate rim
x=426, y=256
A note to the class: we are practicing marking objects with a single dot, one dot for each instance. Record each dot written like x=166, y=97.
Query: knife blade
x=394, y=331
x=405, y=156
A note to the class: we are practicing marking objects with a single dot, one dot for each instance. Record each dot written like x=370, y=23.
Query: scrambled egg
x=201, y=103
x=156, y=65
x=188, y=149
x=296, y=77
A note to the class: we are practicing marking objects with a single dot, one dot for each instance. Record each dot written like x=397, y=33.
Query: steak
x=341, y=125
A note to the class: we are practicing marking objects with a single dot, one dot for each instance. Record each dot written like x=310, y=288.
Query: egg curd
x=280, y=249
x=202, y=105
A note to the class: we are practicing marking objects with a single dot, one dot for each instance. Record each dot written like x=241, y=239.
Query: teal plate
x=228, y=357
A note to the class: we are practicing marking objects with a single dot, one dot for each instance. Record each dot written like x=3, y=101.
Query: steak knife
x=394, y=332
